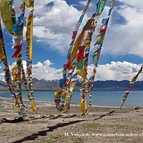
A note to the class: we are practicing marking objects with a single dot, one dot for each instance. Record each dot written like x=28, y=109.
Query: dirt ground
x=101, y=125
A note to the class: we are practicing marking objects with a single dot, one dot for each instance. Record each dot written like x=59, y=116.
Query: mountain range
x=98, y=85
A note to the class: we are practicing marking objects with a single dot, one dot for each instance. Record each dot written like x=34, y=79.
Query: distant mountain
x=111, y=85
x=98, y=85
x=45, y=85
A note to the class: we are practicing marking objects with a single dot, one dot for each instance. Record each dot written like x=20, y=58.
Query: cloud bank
x=126, y=38
x=112, y=71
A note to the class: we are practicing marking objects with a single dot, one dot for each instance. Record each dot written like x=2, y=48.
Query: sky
x=54, y=20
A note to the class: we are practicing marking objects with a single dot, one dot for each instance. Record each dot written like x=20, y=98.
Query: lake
x=103, y=98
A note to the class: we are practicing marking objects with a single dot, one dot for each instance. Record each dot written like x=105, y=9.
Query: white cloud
x=117, y=71
x=1, y=72
x=135, y=3
x=54, y=27
x=2, y=76
x=46, y=71
x=126, y=38
x=41, y=70
x=84, y=2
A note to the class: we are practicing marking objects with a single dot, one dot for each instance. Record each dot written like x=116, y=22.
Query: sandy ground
x=101, y=125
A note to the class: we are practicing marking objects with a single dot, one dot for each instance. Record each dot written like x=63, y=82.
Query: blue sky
x=53, y=24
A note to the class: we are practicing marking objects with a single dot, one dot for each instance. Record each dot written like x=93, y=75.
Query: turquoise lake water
x=103, y=98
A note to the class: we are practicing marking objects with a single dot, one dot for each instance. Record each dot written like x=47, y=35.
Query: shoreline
x=48, y=103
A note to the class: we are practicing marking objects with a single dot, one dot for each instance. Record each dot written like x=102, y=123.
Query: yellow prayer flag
x=6, y=14
x=83, y=105
x=29, y=3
